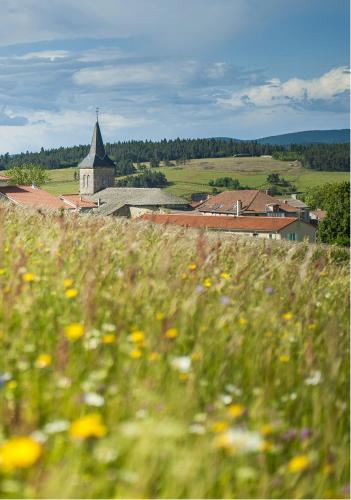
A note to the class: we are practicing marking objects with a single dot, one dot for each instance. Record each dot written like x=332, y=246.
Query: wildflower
x=183, y=376
x=28, y=277
x=137, y=337
x=207, y=283
x=311, y=327
x=135, y=354
x=224, y=300
x=305, y=433
x=108, y=327
x=171, y=333
x=199, y=289
x=220, y=426
x=284, y=358
x=74, y=331
x=19, y=453
x=159, y=316
x=4, y=377
x=153, y=356
x=181, y=363
x=299, y=463
x=2, y=271
x=287, y=316
x=108, y=339
x=67, y=282
x=314, y=378
x=192, y=267
x=197, y=429
x=71, y=293
x=225, y=276
x=239, y=441
x=266, y=430
x=94, y=399
x=89, y=426
x=43, y=360
x=56, y=426
x=242, y=321
x=12, y=385
x=269, y=290
x=236, y=410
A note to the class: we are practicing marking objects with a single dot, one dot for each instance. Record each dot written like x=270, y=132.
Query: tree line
x=315, y=156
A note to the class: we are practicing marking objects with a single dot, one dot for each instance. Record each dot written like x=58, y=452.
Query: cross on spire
x=97, y=113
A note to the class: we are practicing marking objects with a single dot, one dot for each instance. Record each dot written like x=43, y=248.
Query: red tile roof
x=76, y=201
x=32, y=197
x=246, y=223
x=252, y=200
x=4, y=177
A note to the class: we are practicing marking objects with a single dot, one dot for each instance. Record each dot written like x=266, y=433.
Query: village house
x=250, y=202
x=277, y=228
x=31, y=197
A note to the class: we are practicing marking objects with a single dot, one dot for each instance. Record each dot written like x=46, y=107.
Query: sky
x=170, y=68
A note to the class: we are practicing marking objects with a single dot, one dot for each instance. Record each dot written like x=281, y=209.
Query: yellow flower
x=28, y=277
x=43, y=360
x=171, y=333
x=287, y=316
x=184, y=276
x=327, y=469
x=71, y=293
x=192, y=267
x=67, y=282
x=266, y=429
x=135, y=354
x=74, y=331
x=197, y=356
x=267, y=446
x=108, y=338
x=242, y=321
x=137, y=337
x=89, y=426
x=236, y=410
x=311, y=326
x=284, y=358
x=207, y=283
x=12, y=385
x=183, y=376
x=225, y=276
x=19, y=453
x=2, y=271
x=160, y=316
x=299, y=463
x=220, y=426
x=223, y=441
x=153, y=356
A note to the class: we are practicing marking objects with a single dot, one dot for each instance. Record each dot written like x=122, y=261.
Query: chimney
x=99, y=202
x=238, y=208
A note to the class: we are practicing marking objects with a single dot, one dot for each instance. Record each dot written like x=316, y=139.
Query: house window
x=84, y=177
x=292, y=237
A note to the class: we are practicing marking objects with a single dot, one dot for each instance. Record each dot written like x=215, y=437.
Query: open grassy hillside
x=139, y=361
x=195, y=175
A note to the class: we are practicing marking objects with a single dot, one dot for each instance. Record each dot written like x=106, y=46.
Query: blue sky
x=166, y=68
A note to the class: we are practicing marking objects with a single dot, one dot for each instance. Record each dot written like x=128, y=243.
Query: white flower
x=226, y=399
x=196, y=429
x=181, y=363
x=63, y=383
x=56, y=426
x=108, y=327
x=314, y=379
x=94, y=399
x=242, y=441
x=39, y=436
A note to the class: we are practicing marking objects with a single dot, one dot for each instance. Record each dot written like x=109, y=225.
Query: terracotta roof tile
x=252, y=200
x=32, y=197
x=246, y=223
x=77, y=201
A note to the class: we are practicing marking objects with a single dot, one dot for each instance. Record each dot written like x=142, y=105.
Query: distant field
x=195, y=175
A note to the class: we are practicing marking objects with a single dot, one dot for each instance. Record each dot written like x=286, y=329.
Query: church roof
x=97, y=156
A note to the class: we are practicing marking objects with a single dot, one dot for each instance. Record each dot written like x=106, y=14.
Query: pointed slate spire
x=97, y=156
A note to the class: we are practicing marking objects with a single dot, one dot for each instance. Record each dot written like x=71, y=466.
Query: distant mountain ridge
x=304, y=137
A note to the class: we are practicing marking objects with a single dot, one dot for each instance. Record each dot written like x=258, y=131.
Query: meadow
x=195, y=175
x=139, y=361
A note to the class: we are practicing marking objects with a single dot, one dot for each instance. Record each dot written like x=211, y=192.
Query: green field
x=147, y=362
x=195, y=175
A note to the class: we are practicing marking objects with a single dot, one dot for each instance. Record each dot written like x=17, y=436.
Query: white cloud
x=145, y=73
x=291, y=92
x=45, y=54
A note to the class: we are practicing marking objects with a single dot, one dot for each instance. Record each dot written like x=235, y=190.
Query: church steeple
x=97, y=156
x=96, y=170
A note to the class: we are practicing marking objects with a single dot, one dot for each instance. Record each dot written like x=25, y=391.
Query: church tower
x=97, y=170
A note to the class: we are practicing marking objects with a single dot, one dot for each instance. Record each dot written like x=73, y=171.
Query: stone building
x=97, y=170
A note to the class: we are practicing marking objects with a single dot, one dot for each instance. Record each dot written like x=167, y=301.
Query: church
x=97, y=184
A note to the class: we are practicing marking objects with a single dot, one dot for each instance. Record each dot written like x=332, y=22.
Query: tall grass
x=215, y=366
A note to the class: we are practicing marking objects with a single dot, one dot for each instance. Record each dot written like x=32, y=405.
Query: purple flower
x=290, y=434
x=305, y=433
x=199, y=289
x=224, y=300
x=269, y=290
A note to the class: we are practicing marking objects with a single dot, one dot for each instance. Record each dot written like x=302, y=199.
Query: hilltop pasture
x=195, y=175
x=147, y=362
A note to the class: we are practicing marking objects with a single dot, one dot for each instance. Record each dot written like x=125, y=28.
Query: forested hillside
x=317, y=156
